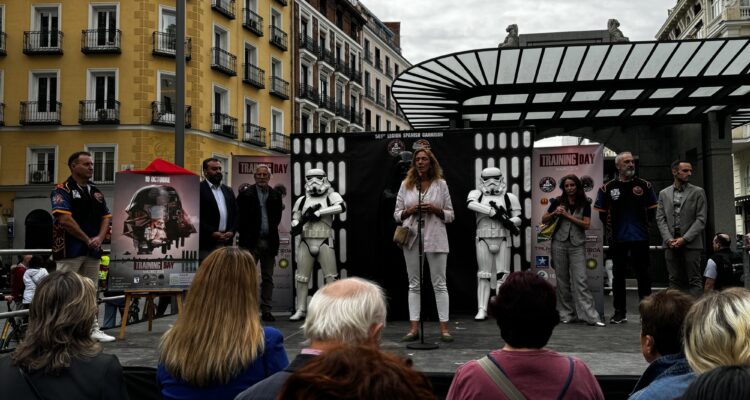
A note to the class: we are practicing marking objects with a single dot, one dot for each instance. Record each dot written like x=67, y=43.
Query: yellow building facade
x=100, y=76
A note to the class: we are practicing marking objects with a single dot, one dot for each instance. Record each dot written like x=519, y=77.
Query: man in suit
x=218, y=211
x=260, y=207
x=681, y=218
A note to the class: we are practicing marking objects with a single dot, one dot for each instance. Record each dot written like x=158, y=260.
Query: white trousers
x=437, y=263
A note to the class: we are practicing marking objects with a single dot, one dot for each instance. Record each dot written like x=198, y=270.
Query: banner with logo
x=549, y=164
x=154, y=230
x=243, y=168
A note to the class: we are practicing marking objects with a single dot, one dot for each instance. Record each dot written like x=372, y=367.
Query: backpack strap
x=568, y=380
x=496, y=373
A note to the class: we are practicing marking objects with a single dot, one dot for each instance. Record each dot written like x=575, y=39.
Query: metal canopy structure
x=596, y=84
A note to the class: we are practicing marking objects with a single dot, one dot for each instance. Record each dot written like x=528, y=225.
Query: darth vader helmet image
x=156, y=219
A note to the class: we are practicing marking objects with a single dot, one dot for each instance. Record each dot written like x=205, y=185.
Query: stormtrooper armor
x=493, y=240
x=312, y=218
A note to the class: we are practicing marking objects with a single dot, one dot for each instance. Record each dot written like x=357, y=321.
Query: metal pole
x=179, y=113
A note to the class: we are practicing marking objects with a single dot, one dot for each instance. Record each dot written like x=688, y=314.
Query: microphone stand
x=420, y=221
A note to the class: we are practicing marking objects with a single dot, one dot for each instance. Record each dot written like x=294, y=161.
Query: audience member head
x=717, y=330
x=525, y=309
x=721, y=241
x=36, y=262
x=350, y=310
x=727, y=382
x=219, y=332
x=357, y=373
x=662, y=317
x=25, y=259
x=60, y=321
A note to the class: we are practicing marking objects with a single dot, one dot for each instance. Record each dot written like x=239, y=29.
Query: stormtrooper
x=312, y=217
x=498, y=217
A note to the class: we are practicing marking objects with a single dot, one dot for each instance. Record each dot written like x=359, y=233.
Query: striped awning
x=566, y=85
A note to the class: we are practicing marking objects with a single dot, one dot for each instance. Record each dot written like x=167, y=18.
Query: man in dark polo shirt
x=626, y=204
x=81, y=223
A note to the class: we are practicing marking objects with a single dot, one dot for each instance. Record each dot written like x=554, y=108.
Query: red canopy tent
x=161, y=167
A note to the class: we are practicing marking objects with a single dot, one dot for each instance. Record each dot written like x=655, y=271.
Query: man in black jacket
x=218, y=210
x=720, y=272
x=260, y=209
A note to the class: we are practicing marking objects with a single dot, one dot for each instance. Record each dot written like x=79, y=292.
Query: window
x=398, y=128
x=251, y=5
x=304, y=28
x=396, y=67
x=224, y=168
x=367, y=48
x=323, y=86
x=46, y=22
x=367, y=81
x=377, y=123
x=167, y=97
x=220, y=107
x=305, y=122
x=377, y=88
x=388, y=126
x=338, y=53
x=377, y=57
x=304, y=76
x=251, y=112
x=277, y=121
x=368, y=118
x=353, y=62
x=104, y=163
x=339, y=94
x=251, y=54
x=340, y=19
x=276, y=70
x=221, y=38
x=103, y=89
x=323, y=45
x=716, y=8
x=104, y=21
x=353, y=103
x=387, y=63
x=168, y=21
x=323, y=6
x=276, y=18
x=747, y=179
x=44, y=94
x=323, y=125
x=41, y=166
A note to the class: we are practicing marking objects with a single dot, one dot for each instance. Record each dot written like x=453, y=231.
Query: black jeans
x=266, y=260
x=637, y=254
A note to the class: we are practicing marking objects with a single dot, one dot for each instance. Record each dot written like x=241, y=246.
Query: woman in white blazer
x=425, y=180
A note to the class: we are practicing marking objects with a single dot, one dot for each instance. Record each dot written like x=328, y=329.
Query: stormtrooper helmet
x=316, y=182
x=492, y=182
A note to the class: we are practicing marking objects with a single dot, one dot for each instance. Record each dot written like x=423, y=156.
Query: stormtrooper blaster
x=501, y=214
x=307, y=216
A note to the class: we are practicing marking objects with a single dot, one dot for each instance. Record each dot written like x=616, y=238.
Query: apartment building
x=383, y=63
x=695, y=19
x=328, y=58
x=100, y=76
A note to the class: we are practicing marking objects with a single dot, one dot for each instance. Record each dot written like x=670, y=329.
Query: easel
x=149, y=294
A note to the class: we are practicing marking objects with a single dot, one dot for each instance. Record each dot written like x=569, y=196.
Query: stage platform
x=611, y=350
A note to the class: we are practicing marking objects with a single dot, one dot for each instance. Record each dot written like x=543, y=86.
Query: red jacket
x=16, y=281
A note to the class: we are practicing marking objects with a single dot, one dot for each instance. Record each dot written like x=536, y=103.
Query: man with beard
x=218, y=210
x=626, y=204
x=681, y=218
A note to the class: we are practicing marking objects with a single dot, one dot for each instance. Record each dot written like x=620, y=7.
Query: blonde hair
x=219, y=333
x=60, y=321
x=717, y=330
x=434, y=173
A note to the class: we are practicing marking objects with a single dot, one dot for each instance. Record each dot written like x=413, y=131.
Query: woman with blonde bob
x=717, y=330
x=218, y=347
x=58, y=358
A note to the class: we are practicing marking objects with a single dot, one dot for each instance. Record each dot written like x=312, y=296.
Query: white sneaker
x=300, y=314
x=100, y=336
x=481, y=315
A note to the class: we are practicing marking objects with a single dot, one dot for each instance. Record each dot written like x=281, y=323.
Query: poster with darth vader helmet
x=154, y=231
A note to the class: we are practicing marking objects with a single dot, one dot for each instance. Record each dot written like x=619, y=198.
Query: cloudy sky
x=430, y=28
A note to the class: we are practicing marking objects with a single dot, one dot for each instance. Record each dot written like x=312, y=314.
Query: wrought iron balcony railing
x=43, y=42
x=326, y=56
x=252, y=21
x=279, y=142
x=101, y=41
x=224, y=125
x=165, y=44
x=327, y=102
x=307, y=92
x=254, y=76
x=223, y=61
x=279, y=88
x=279, y=37
x=356, y=117
x=308, y=44
x=254, y=134
x=41, y=173
x=342, y=111
x=224, y=7
x=342, y=68
x=40, y=113
x=162, y=113
x=3, y=40
x=99, y=112
x=355, y=76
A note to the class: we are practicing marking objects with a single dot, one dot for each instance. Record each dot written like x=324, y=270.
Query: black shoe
x=267, y=316
x=618, y=318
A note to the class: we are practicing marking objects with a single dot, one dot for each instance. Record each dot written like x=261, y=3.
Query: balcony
x=254, y=76
x=165, y=44
x=223, y=61
x=342, y=69
x=369, y=93
x=307, y=92
x=389, y=72
x=163, y=114
x=224, y=7
x=279, y=142
x=355, y=76
x=380, y=100
x=40, y=113
x=356, y=117
x=224, y=125
x=279, y=88
x=744, y=11
x=326, y=104
x=99, y=112
x=254, y=134
x=101, y=41
x=368, y=56
x=379, y=65
x=308, y=48
x=41, y=174
x=278, y=38
x=326, y=60
x=253, y=22
x=3, y=40
x=282, y=2
x=342, y=111
x=42, y=42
